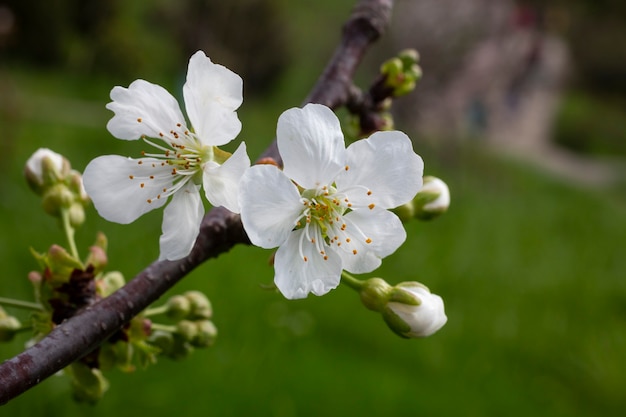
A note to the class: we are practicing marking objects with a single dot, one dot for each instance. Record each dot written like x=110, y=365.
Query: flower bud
x=110, y=282
x=375, y=293
x=207, y=333
x=9, y=326
x=56, y=198
x=178, y=307
x=432, y=199
x=409, y=319
x=200, y=305
x=162, y=340
x=44, y=168
x=187, y=330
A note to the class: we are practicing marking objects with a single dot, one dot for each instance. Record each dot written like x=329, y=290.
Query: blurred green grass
x=531, y=270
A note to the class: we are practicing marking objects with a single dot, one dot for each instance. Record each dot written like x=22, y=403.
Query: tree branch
x=219, y=232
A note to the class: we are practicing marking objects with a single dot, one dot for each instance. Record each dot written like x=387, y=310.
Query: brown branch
x=220, y=231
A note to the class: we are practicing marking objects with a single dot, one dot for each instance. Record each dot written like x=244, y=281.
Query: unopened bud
x=110, y=282
x=207, y=333
x=432, y=200
x=375, y=293
x=200, y=305
x=187, y=330
x=410, y=319
x=9, y=326
x=56, y=198
x=45, y=168
x=178, y=307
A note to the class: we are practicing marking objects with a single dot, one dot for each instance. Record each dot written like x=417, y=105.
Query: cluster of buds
x=51, y=176
x=409, y=308
x=402, y=73
x=192, y=312
x=431, y=201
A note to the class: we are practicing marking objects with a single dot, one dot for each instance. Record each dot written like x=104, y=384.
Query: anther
x=305, y=259
x=142, y=185
x=347, y=167
x=139, y=119
x=368, y=240
x=131, y=177
x=149, y=201
x=369, y=192
x=371, y=206
x=354, y=252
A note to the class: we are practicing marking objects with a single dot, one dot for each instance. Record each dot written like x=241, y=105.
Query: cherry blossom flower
x=327, y=210
x=185, y=159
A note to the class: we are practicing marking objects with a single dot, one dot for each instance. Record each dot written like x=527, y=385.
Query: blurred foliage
x=90, y=36
x=591, y=125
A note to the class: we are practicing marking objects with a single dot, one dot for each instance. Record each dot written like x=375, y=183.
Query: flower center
x=324, y=224
x=176, y=162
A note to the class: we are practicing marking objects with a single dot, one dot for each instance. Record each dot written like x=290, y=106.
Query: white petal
x=270, y=205
x=144, y=109
x=382, y=227
x=117, y=197
x=181, y=223
x=221, y=183
x=311, y=144
x=295, y=277
x=212, y=94
x=384, y=164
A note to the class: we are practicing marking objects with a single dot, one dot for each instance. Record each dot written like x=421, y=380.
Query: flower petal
x=181, y=223
x=212, y=94
x=144, y=109
x=381, y=228
x=311, y=144
x=295, y=277
x=114, y=184
x=221, y=182
x=383, y=169
x=270, y=205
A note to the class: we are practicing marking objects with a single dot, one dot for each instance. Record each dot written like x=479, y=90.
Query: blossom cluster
x=328, y=210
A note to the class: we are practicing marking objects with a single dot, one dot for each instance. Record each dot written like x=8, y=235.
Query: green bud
x=178, y=307
x=375, y=293
x=57, y=197
x=109, y=283
x=9, y=326
x=200, y=305
x=76, y=214
x=409, y=57
x=432, y=200
x=207, y=333
x=162, y=340
x=187, y=330
x=76, y=186
x=405, y=212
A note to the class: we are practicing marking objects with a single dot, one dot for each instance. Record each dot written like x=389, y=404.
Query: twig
x=220, y=231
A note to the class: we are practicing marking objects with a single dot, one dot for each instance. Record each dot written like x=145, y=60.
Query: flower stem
x=164, y=327
x=20, y=304
x=69, y=232
x=155, y=311
x=350, y=281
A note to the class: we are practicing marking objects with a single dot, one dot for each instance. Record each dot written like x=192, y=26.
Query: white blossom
x=328, y=209
x=185, y=156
